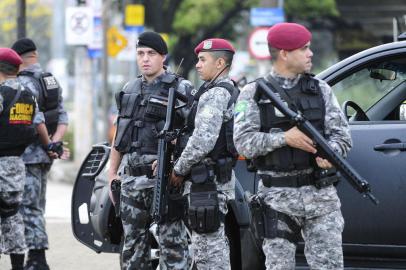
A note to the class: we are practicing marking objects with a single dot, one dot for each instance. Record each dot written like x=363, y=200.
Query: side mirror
x=382, y=74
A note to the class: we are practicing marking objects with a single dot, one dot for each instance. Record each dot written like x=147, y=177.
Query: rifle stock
x=323, y=148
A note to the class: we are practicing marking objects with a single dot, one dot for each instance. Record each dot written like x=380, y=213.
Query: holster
x=115, y=192
x=325, y=178
x=206, y=171
x=204, y=212
x=265, y=223
x=176, y=204
x=223, y=169
x=202, y=173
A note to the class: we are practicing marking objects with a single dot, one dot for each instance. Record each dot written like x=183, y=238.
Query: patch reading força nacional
x=21, y=113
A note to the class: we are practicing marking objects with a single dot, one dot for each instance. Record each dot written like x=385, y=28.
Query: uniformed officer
x=287, y=160
x=142, y=110
x=209, y=155
x=38, y=159
x=17, y=109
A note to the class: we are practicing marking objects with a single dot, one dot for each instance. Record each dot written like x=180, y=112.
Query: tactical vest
x=224, y=146
x=142, y=113
x=16, y=121
x=48, y=97
x=305, y=97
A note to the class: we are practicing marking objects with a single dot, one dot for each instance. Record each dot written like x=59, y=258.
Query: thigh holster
x=204, y=213
x=265, y=223
x=8, y=209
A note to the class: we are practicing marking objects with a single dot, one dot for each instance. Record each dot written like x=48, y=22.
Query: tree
x=191, y=21
x=38, y=23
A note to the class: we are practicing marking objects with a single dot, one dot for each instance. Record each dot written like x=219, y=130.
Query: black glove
x=56, y=147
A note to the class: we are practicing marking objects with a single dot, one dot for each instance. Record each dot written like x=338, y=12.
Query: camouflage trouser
x=322, y=236
x=135, y=216
x=12, y=228
x=11, y=192
x=33, y=208
x=211, y=250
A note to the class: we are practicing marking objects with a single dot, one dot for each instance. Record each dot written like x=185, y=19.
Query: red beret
x=288, y=36
x=10, y=56
x=214, y=44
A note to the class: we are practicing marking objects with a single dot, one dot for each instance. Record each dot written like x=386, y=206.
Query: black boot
x=17, y=261
x=36, y=260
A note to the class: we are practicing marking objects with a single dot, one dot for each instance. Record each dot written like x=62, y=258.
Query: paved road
x=65, y=252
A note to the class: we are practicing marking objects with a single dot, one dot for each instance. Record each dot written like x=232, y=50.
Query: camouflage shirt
x=251, y=142
x=34, y=153
x=211, y=113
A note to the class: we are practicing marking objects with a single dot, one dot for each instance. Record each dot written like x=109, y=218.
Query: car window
x=369, y=85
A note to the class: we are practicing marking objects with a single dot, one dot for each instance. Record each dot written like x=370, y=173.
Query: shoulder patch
x=241, y=106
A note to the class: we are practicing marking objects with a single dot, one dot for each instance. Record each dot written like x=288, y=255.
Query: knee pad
x=204, y=213
x=8, y=209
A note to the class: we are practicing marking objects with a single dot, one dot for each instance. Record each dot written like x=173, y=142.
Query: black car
x=371, y=86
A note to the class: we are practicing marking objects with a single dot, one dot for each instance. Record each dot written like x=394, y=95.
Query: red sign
x=258, y=44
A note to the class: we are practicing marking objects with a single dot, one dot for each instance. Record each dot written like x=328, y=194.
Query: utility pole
x=21, y=19
x=104, y=95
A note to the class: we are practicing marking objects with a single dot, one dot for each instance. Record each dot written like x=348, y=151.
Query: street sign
x=258, y=44
x=78, y=25
x=266, y=16
x=115, y=41
x=134, y=15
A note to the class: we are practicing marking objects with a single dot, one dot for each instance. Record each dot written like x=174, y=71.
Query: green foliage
x=38, y=18
x=194, y=15
x=310, y=9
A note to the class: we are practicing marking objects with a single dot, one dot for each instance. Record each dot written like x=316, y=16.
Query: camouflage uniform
x=211, y=250
x=12, y=176
x=316, y=211
x=136, y=201
x=37, y=165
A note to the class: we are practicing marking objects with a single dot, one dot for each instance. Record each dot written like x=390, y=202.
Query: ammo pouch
x=265, y=223
x=176, y=204
x=156, y=107
x=325, y=178
x=204, y=212
x=115, y=192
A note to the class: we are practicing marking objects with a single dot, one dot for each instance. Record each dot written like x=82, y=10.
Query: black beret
x=154, y=41
x=24, y=45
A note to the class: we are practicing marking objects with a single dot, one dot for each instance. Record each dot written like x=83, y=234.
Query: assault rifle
x=323, y=149
x=159, y=210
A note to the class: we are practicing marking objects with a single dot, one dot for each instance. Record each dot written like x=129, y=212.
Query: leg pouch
x=204, y=212
x=176, y=204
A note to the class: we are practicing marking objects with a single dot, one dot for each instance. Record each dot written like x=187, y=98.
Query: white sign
x=129, y=53
x=258, y=44
x=79, y=25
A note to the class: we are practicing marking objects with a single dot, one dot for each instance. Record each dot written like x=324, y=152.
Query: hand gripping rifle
x=159, y=210
x=323, y=149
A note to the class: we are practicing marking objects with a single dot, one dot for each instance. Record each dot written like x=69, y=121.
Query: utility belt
x=143, y=169
x=208, y=169
x=319, y=179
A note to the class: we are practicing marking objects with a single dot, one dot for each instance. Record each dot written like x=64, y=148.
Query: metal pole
x=104, y=94
x=21, y=19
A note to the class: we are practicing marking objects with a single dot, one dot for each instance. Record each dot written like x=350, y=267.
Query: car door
x=94, y=223
x=378, y=153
